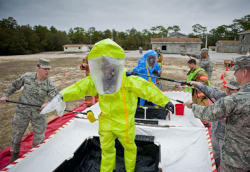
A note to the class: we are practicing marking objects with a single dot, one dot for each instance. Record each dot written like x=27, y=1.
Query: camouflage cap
x=241, y=62
x=233, y=84
x=44, y=63
x=204, y=50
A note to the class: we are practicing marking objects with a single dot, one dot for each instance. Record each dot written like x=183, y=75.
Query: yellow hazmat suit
x=118, y=108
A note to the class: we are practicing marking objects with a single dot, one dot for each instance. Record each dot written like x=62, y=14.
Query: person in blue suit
x=148, y=65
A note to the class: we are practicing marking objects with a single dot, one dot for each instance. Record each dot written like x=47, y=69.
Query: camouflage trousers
x=227, y=168
x=217, y=144
x=20, y=123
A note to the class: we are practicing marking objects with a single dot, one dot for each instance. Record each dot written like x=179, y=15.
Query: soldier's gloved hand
x=188, y=103
x=194, y=83
x=170, y=107
x=155, y=72
x=57, y=104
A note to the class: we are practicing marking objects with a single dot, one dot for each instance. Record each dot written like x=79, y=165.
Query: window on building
x=79, y=47
x=182, y=47
x=164, y=47
x=242, y=48
x=243, y=37
x=66, y=47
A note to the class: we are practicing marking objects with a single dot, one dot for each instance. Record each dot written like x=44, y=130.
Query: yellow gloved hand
x=91, y=116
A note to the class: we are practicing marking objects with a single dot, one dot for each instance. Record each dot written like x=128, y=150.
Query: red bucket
x=179, y=109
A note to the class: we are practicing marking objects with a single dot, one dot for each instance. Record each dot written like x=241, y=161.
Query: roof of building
x=246, y=31
x=187, y=40
x=177, y=35
x=228, y=42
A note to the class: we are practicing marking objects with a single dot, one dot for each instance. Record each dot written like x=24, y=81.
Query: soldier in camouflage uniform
x=205, y=61
x=36, y=87
x=236, y=109
x=218, y=127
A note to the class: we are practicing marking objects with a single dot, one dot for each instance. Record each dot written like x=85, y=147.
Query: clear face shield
x=151, y=61
x=106, y=73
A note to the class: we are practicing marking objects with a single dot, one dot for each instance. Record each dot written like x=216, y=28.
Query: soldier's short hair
x=192, y=61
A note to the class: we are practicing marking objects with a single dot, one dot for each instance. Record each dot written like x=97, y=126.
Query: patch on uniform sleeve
x=201, y=95
x=203, y=78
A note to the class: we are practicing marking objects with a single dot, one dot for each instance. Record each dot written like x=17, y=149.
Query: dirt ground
x=11, y=68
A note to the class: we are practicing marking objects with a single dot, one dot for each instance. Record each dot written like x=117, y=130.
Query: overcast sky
x=124, y=14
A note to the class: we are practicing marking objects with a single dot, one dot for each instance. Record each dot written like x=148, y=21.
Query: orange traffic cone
x=222, y=76
x=224, y=84
x=226, y=68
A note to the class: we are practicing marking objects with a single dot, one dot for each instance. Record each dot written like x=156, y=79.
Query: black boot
x=14, y=156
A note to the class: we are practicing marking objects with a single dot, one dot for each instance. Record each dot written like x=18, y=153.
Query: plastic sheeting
x=183, y=148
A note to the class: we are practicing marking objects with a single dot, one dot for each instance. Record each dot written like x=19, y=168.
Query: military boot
x=14, y=156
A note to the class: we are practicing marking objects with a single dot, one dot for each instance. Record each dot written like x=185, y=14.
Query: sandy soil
x=12, y=67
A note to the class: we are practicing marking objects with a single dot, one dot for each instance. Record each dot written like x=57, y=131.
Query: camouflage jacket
x=34, y=91
x=206, y=64
x=236, y=108
x=218, y=127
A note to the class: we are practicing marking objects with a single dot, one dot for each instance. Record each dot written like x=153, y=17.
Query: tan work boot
x=14, y=156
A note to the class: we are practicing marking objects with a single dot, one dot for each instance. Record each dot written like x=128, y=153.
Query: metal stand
x=145, y=112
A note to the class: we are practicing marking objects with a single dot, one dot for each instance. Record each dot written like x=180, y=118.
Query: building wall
x=244, y=43
x=227, y=48
x=76, y=49
x=212, y=48
x=177, y=48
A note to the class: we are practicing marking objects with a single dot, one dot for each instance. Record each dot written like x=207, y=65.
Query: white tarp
x=182, y=148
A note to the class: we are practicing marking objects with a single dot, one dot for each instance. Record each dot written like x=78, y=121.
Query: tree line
x=25, y=39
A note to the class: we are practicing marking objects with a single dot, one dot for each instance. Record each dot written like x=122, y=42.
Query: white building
x=212, y=48
x=177, y=43
x=76, y=48
x=244, y=45
x=227, y=46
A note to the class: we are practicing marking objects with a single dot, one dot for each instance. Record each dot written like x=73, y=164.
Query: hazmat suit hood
x=143, y=59
x=106, y=64
x=151, y=59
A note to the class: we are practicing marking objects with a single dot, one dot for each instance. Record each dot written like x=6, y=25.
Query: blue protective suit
x=143, y=69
